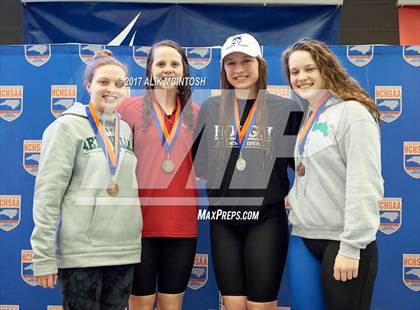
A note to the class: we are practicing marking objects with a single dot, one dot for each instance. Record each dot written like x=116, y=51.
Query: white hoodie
x=338, y=197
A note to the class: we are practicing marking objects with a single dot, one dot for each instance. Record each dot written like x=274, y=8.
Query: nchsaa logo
x=31, y=155
x=280, y=90
x=9, y=211
x=9, y=307
x=38, y=54
x=360, y=55
x=390, y=211
x=27, y=267
x=412, y=158
x=11, y=102
x=88, y=51
x=411, y=271
x=411, y=54
x=140, y=54
x=62, y=98
x=199, y=57
x=389, y=102
x=199, y=273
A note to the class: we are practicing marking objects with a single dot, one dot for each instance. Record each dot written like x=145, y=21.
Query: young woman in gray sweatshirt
x=338, y=184
x=86, y=209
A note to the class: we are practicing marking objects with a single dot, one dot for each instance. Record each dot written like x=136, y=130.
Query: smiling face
x=107, y=88
x=166, y=67
x=242, y=72
x=305, y=77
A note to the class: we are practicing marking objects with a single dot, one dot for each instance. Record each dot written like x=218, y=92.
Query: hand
x=345, y=268
x=48, y=281
x=286, y=202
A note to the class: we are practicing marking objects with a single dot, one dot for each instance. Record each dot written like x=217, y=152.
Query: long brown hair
x=183, y=89
x=261, y=113
x=336, y=78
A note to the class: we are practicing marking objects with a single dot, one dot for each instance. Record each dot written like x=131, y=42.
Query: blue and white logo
x=390, y=212
x=360, y=55
x=62, y=98
x=411, y=271
x=88, y=51
x=199, y=273
x=10, y=206
x=27, y=268
x=31, y=155
x=389, y=102
x=199, y=57
x=411, y=54
x=140, y=54
x=411, y=158
x=38, y=54
x=11, y=102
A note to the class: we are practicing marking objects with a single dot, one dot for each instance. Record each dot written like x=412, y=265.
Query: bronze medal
x=112, y=155
x=113, y=189
x=300, y=170
x=168, y=165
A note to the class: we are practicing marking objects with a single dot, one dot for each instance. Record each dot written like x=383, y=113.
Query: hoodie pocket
x=115, y=221
x=313, y=207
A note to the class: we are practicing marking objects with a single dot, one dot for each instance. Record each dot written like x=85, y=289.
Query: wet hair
x=261, y=113
x=183, y=89
x=335, y=76
x=101, y=58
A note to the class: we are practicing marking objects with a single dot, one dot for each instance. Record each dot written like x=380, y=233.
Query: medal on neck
x=112, y=154
x=242, y=133
x=168, y=138
x=303, y=135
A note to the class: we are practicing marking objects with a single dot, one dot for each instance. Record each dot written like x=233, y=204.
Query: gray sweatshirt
x=77, y=224
x=338, y=197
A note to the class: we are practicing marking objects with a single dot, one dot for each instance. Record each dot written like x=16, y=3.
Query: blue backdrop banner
x=188, y=24
x=39, y=82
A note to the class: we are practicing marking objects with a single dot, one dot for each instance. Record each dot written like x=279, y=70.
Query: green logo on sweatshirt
x=322, y=127
x=91, y=144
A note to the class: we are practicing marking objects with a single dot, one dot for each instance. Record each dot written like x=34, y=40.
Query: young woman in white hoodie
x=338, y=184
x=86, y=210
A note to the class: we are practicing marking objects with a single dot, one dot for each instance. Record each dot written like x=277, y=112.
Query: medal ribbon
x=243, y=133
x=168, y=138
x=103, y=140
x=310, y=122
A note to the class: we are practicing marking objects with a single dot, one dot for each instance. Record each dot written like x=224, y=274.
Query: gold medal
x=300, y=169
x=168, y=165
x=113, y=189
x=241, y=163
